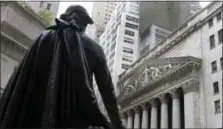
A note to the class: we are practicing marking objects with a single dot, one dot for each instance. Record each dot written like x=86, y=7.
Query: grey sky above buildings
x=89, y=5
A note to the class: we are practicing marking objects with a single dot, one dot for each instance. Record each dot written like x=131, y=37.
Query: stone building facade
x=19, y=28
x=178, y=84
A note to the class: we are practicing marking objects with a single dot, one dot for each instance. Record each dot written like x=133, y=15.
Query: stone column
x=176, y=121
x=129, y=123
x=124, y=120
x=154, y=115
x=145, y=117
x=164, y=111
x=137, y=118
x=191, y=110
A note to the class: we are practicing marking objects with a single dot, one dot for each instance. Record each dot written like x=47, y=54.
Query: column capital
x=123, y=115
x=191, y=86
x=174, y=94
x=163, y=98
x=129, y=112
x=153, y=102
x=144, y=106
x=136, y=109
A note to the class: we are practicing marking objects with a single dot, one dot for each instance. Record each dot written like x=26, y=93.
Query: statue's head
x=79, y=14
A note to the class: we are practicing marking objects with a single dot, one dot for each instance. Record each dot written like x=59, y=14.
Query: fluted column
x=164, y=111
x=154, y=115
x=191, y=110
x=137, y=118
x=124, y=119
x=175, y=109
x=129, y=123
x=145, y=117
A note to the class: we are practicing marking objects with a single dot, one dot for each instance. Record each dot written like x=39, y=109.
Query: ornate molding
x=191, y=86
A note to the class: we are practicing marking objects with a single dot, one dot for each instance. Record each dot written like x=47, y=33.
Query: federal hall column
x=154, y=115
x=137, y=118
x=164, y=111
x=130, y=118
x=175, y=109
x=191, y=111
x=145, y=117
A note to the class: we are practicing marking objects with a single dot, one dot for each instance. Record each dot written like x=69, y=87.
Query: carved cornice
x=16, y=34
x=33, y=16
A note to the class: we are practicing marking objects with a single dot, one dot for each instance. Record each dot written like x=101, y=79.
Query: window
x=214, y=66
x=41, y=4
x=125, y=66
x=217, y=106
x=212, y=41
x=221, y=60
x=126, y=58
x=220, y=36
x=128, y=50
x=218, y=16
x=132, y=26
x=130, y=33
x=48, y=6
x=216, y=88
x=210, y=23
x=128, y=40
x=133, y=19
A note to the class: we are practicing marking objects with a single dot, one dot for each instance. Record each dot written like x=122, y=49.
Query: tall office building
x=120, y=38
x=178, y=84
x=51, y=6
x=101, y=14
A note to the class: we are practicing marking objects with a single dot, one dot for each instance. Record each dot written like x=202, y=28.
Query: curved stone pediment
x=154, y=71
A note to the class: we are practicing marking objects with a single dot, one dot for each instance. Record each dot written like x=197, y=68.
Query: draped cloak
x=52, y=86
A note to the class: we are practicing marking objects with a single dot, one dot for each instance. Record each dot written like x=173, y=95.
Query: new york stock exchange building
x=178, y=84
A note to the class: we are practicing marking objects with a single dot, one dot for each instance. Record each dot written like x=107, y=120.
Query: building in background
x=51, y=6
x=167, y=16
x=152, y=36
x=178, y=84
x=16, y=36
x=120, y=38
x=101, y=14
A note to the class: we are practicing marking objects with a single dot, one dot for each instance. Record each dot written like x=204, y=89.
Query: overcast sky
x=89, y=5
